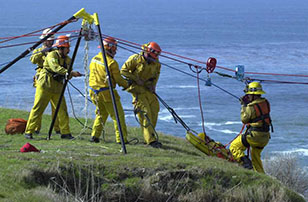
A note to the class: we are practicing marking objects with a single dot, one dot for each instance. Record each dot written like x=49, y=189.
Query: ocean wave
x=163, y=111
x=300, y=151
x=209, y=124
x=183, y=86
x=226, y=131
x=170, y=118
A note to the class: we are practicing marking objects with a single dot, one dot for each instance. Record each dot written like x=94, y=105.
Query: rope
x=24, y=35
x=31, y=35
x=236, y=136
x=173, y=113
x=200, y=104
x=73, y=110
x=33, y=42
x=136, y=45
x=186, y=73
x=86, y=83
x=262, y=80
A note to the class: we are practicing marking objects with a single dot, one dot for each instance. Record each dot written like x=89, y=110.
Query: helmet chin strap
x=110, y=53
x=148, y=57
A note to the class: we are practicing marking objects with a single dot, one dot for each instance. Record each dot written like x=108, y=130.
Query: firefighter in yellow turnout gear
x=100, y=93
x=49, y=86
x=38, y=57
x=142, y=71
x=255, y=113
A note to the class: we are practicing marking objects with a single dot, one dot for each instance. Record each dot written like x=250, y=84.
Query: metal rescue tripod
x=89, y=19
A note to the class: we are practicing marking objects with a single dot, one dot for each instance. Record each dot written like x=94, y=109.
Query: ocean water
x=264, y=36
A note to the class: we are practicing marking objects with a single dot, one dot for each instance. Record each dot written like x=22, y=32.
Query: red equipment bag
x=29, y=148
x=14, y=126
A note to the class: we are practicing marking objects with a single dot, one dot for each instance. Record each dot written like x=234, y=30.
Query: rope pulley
x=208, y=81
x=239, y=72
x=211, y=64
x=197, y=69
x=87, y=31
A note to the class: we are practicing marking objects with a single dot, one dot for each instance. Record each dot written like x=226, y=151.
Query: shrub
x=286, y=169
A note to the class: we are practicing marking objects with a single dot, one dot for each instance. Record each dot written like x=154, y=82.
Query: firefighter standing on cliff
x=142, y=71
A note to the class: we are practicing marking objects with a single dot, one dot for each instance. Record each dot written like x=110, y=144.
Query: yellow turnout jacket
x=137, y=68
x=53, y=64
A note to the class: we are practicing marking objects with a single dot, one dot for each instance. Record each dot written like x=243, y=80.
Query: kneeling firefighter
x=100, y=94
x=255, y=113
x=49, y=86
x=142, y=71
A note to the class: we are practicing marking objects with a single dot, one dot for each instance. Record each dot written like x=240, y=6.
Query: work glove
x=140, y=82
x=152, y=89
x=244, y=100
x=75, y=74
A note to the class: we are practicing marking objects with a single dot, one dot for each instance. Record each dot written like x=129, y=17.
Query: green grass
x=67, y=170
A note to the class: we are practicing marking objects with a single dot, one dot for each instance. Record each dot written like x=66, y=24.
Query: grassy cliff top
x=77, y=170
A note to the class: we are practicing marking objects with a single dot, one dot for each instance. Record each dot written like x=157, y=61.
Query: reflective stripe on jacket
x=98, y=79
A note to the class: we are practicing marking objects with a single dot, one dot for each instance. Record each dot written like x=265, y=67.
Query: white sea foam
x=221, y=123
x=184, y=87
x=169, y=118
x=226, y=131
x=300, y=151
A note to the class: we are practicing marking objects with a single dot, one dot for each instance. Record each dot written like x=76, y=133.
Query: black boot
x=67, y=136
x=94, y=139
x=246, y=162
x=156, y=144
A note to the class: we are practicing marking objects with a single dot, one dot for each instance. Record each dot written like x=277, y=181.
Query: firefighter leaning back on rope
x=142, y=71
x=49, y=86
x=255, y=113
x=100, y=93
x=38, y=56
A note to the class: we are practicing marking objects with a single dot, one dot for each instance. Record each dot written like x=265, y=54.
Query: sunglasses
x=154, y=51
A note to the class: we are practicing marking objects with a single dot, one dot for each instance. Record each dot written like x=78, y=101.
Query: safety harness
x=58, y=77
x=263, y=115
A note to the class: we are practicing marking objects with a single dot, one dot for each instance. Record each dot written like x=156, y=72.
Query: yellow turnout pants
x=42, y=98
x=148, y=104
x=56, y=125
x=104, y=108
x=257, y=142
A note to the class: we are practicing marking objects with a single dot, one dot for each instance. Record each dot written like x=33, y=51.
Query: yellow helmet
x=254, y=88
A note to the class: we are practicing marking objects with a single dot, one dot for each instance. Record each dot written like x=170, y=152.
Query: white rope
x=86, y=85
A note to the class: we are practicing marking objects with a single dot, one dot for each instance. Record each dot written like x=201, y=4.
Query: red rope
x=203, y=62
x=30, y=35
x=173, y=54
x=25, y=35
x=237, y=135
x=21, y=44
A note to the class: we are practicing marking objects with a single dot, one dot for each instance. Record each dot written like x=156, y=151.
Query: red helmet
x=110, y=42
x=110, y=45
x=154, y=50
x=62, y=41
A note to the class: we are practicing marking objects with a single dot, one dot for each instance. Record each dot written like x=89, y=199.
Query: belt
x=260, y=129
x=99, y=90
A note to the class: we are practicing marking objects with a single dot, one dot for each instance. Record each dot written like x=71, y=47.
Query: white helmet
x=45, y=33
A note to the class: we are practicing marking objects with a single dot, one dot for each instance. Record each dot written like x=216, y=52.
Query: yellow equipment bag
x=14, y=126
x=209, y=147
